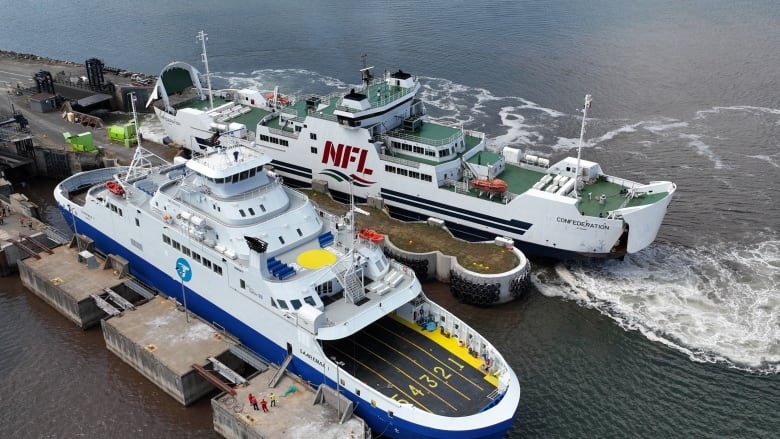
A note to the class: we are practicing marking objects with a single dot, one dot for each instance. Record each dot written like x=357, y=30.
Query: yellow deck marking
x=403, y=372
x=432, y=374
x=451, y=345
x=465, y=378
x=316, y=258
x=382, y=377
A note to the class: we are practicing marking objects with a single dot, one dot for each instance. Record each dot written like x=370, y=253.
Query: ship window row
x=115, y=209
x=294, y=303
x=235, y=178
x=272, y=139
x=414, y=148
x=408, y=173
x=192, y=254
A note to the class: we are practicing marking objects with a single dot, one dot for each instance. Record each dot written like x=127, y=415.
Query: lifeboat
x=495, y=185
x=281, y=99
x=115, y=188
x=371, y=235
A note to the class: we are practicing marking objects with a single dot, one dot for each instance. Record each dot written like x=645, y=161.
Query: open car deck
x=410, y=366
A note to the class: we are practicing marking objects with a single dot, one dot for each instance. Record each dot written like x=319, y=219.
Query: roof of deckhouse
x=229, y=162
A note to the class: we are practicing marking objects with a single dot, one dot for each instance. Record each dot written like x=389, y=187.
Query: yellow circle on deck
x=317, y=258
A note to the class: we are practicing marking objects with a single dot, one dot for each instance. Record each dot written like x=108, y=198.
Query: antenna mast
x=142, y=159
x=366, y=72
x=203, y=37
x=577, y=177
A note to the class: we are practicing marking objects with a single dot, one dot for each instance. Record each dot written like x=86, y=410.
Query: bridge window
x=295, y=303
x=241, y=211
x=176, y=245
x=313, y=150
x=207, y=263
x=251, y=211
x=167, y=239
x=299, y=232
x=218, y=269
x=313, y=136
x=310, y=300
x=243, y=283
x=196, y=257
x=283, y=304
x=281, y=239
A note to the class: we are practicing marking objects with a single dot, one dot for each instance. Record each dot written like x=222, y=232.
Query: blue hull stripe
x=513, y=226
x=292, y=169
x=376, y=418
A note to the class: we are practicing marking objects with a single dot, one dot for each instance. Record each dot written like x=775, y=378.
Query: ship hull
x=477, y=220
x=541, y=224
x=275, y=350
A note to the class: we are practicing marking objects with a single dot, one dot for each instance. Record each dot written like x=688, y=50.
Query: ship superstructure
x=377, y=139
x=296, y=285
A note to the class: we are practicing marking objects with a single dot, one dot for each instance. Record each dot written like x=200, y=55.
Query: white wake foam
x=716, y=304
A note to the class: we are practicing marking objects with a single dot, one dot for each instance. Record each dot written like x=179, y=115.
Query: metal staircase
x=348, y=277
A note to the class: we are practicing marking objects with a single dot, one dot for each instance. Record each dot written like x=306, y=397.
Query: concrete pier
x=22, y=235
x=297, y=413
x=66, y=279
x=157, y=340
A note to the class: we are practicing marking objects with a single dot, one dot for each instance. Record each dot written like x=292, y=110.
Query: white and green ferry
x=378, y=137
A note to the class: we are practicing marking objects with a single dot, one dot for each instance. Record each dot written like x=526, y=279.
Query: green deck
x=249, y=119
x=518, y=179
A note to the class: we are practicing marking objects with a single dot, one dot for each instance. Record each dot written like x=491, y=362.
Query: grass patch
x=423, y=238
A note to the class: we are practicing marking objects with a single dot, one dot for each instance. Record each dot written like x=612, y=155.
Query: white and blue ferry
x=296, y=285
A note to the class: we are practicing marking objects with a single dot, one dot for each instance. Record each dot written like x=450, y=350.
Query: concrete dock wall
x=231, y=426
x=186, y=388
x=84, y=313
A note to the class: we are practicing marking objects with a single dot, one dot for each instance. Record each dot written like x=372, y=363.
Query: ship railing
x=383, y=100
x=470, y=339
x=246, y=195
x=399, y=134
x=279, y=132
x=400, y=161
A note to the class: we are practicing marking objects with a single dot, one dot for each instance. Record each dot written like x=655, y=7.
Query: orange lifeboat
x=282, y=99
x=495, y=185
x=371, y=235
x=115, y=188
